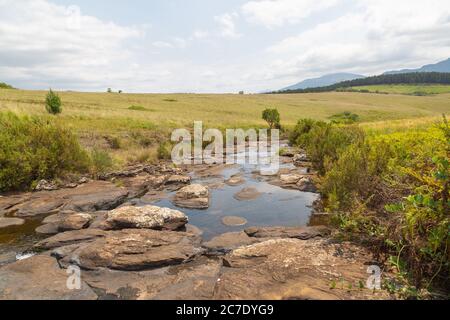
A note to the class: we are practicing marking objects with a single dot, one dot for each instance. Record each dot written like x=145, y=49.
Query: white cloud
x=228, y=25
x=40, y=41
x=275, y=13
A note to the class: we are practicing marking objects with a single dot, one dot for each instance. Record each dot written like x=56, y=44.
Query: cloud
x=276, y=13
x=227, y=24
x=49, y=44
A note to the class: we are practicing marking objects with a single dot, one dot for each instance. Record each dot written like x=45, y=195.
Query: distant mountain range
x=331, y=79
x=324, y=81
x=443, y=66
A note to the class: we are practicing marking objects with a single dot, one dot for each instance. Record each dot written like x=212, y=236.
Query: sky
x=212, y=46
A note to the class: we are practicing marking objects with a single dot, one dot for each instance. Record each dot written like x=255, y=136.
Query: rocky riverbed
x=158, y=232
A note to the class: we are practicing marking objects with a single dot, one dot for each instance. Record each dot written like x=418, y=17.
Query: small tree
x=272, y=117
x=53, y=103
x=109, y=90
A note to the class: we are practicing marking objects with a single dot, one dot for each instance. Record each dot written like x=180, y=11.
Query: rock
x=233, y=221
x=89, y=197
x=321, y=219
x=69, y=238
x=290, y=178
x=75, y=221
x=287, y=152
x=178, y=179
x=247, y=194
x=44, y=185
x=299, y=158
x=153, y=196
x=137, y=249
x=10, y=222
x=147, y=217
x=137, y=186
x=191, y=281
x=235, y=180
x=228, y=241
x=7, y=258
x=306, y=184
x=288, y=269
x=302, y=233
x=83, y=180
x=194, y=196
x=39, y=278
x=48, y=229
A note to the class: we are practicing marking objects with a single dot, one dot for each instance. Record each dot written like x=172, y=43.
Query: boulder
x=193, y=196
x=226, y=242
x=65, y=221
x=39, y=278
x=306, y=184
x=301, y=233
x=147, y=217
x=137, y=249
x=178, y=179
x=300, y=158
x=290, y=179
x=44, y=185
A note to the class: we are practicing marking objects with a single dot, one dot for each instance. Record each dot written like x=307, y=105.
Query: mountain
x=324, y=81
x=443, y=66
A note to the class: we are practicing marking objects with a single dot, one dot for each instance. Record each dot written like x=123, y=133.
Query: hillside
x=5, y=86
x=443, y=66
x=324, y=81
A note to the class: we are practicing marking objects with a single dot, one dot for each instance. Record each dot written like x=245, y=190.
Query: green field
x=405, y=89
x=142, y=120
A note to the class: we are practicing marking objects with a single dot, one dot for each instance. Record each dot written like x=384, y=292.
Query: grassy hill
x=418, y=89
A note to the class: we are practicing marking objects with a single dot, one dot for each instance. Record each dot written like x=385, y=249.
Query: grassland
x=405, y=89
x=135, y=122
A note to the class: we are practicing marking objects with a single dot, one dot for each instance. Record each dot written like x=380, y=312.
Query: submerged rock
x=247, y=194
x=233, y=221
x=194, y=196
x=147, y=217
x=235, y=180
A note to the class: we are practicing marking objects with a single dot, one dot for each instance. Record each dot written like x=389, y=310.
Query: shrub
x=101, y=162
x=344, y=118
x=303, y=127
x=137, y=108
x=53, y=103
x=272, y=117
x=5, y=86
x=114, y=142
x=34, y=148
x=163, y=152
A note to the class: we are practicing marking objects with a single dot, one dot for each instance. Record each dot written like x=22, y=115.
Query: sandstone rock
x=137, y=249
x=247, y=194
x=48, y=229
x=233, y=221
x=44, y=185
x=290, y=178
x=7, y=258
x=178, y=179
x=306, y=184
x=10, y=222
x=39, y=278
x=299, y=158
x=75, y=221
x=302, y=233
x=286, y=269
x=194, y=196
x=147, y=217
x=89, y=197
x=235, y=180
x=69, y=238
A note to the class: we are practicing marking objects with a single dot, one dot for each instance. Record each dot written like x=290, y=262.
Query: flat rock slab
x=193, y=196
x=70, y=238
x=285, y=269
x=137, y=249
x=247, y=194
x=302, y=233
x=233, y=221
x=92, y=196
x=39, y=278
x=147, y=217
x=228, y=241
x=10, y=222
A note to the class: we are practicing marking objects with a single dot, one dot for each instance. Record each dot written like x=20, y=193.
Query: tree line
x=404, y=78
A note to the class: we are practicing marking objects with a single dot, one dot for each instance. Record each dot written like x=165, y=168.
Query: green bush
x=34, y=148
x=163, y=152
x=53, y=103
x=303, y=127
x=344, y=118
x=5, y=86
x=101, y=162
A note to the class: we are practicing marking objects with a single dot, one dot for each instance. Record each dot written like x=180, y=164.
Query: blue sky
x=212, y=45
